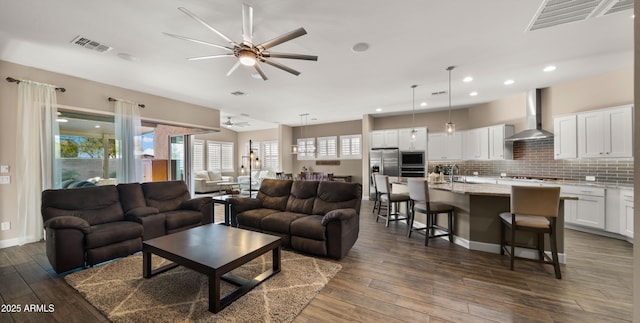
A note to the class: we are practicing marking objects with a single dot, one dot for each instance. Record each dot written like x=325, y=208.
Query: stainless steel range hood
x=533, y=120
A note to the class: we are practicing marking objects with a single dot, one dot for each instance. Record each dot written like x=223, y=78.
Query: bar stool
x=533, y=209
x=384, y=187
x=420, y=202
x=377, y=204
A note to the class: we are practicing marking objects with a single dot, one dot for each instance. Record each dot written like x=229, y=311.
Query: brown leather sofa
x=320, y=218
x=89, y=225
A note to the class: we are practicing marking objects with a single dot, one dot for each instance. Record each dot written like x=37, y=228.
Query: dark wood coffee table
x=214, y=250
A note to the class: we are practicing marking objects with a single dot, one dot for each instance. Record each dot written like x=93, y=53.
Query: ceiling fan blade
x=247, y=23
x=210, y=56
x=233, y=68
x=260, y=71
x=292, y=56
x=202, y=22
x=199, y=41
x=282, y=38
x=282, y=67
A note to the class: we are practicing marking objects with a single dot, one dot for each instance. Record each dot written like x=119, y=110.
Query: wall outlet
x=503, y=174
x=475, y=173
x=590, y=178
x=5, y=226
x=4, y=168
x=5, y=179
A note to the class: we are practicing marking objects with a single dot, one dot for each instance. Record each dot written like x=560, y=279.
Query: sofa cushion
x=131, y=196
x=274, y=194
x=280, y=222
x=182, y=218
x=302, y=196
x=96, y=205
x=215, y=175
x=309, y=227
x=165, y=196
x=337, y=195
x=110, y=233
x=201, y=174
x=253, y=218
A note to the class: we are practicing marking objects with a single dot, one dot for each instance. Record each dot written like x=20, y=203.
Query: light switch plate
x=590, y=178
x=5, y=179
x=4, y=168
x=5, y=226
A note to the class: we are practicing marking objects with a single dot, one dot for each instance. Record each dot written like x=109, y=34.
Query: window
x=198, y=154
x=270, y=156
x=306, y=148
x=327, y=147
x=351, y=147
x=220, y=156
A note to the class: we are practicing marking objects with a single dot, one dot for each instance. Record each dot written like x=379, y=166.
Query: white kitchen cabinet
x=406, y=144
x=384, y=138
x=475, y=143
x=588, y=210
x=442, y=146
x=626, y=213
x=565, y=141
x=606, y=133
x=498, y=148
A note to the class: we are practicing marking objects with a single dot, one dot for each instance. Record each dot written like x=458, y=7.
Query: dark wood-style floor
x=388, y=277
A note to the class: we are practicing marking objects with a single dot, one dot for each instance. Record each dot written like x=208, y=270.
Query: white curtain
x=128, y=142
x=35, y=145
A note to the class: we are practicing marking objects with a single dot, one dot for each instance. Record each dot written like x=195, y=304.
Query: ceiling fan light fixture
x=247, y=58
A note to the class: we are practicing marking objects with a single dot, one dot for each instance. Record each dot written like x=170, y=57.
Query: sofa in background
x=89, y=225
x=256, y=178
x=206, y=181
x=320, y=218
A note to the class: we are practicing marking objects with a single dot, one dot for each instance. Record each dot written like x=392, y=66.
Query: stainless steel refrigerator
x=385, y=161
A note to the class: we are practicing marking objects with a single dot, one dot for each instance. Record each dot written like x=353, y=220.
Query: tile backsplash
x=535, y=158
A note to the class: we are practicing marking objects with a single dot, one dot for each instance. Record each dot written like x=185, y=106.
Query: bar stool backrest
x=382, y=184
x=418, y=189
x=534, y=200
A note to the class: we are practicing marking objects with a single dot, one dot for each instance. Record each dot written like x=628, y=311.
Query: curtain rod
x=12, y=80
x=114, y=100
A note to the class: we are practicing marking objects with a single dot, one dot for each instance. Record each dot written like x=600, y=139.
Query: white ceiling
x=411, y=42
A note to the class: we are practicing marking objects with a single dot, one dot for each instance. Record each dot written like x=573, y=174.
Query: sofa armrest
x=195, y=204
x=68, y=222
x=339, y=215
x=141, y=212
x=227, y=178
x=241, y=204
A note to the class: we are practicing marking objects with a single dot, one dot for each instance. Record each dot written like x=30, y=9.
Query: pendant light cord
x=413, y=104
x=449, y=69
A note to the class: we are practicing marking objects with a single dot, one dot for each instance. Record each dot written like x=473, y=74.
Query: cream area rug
x=120, y=292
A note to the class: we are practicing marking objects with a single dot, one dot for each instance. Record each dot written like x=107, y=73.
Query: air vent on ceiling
x=91, y=44
x=238, y=93
x=557, y=12
x=438, y=93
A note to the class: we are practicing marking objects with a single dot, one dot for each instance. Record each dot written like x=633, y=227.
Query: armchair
x=206, y=181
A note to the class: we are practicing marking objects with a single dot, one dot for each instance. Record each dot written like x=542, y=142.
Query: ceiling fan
x=247, y=52
x=230, y=123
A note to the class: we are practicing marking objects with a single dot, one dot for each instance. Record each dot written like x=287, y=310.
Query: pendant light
x=294, y=147
x=413, y=117
x=450, y=127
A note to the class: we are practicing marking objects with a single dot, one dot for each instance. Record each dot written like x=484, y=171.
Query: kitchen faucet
x=454, y=168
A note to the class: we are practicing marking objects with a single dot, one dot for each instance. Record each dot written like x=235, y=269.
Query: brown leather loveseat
x=89, y=225
x=316, y=217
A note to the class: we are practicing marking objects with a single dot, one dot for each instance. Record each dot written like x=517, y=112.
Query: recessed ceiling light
x=509, y=82
x=360, y=47
x=549, y=68
x=467, y=79
x=127, y=57
x=97, y=126
x=474, y=93
x=423, y=104
x=379, y=110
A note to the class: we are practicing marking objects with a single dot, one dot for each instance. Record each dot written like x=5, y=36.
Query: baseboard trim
x=9, y=243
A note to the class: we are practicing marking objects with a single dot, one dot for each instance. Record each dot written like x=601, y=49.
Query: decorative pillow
x=202, y=174
x=215, y=175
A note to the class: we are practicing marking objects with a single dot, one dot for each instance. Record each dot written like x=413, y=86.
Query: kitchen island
x=476, y=223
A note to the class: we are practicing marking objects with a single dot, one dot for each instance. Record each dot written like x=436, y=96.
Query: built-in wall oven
x=412, y=164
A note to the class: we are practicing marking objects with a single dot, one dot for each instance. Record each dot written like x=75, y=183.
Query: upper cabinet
x=406, y=143
x=565, y=141
x=384, y=138
x=498, y=148
x=444, y=147
x=475, y=143
x=606, y=133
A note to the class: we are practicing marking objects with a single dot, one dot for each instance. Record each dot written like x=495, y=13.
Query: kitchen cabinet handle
x=589, y=200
